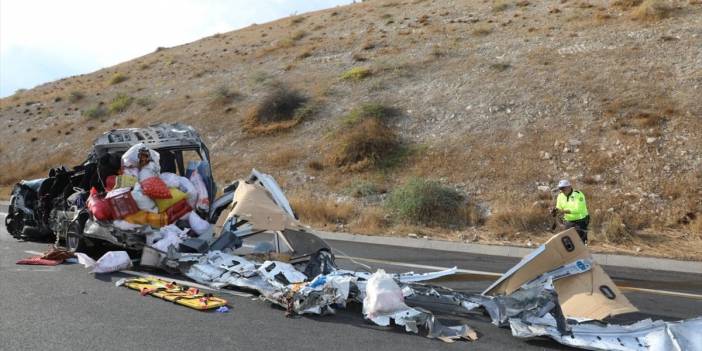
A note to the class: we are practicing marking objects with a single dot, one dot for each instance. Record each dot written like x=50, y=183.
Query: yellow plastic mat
x=170, y=291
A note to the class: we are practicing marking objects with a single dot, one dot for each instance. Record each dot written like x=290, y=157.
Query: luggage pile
x=140, y=195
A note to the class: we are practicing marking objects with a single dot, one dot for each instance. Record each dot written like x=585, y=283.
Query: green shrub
x=120, y=103
x=363, y=188
x=75, y=96
x=223, y=95
x=117, y=78
x=144, y=102
x=369, y=110
x=95, y=112
x=421, y=201
x=364, y=139
x=356, y=74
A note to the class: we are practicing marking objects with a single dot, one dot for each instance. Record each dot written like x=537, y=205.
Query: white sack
x=171, y=235
x=151, y=169
x=183, y=184
x=383, y=296
x=143, y=202
x=197, y=224
x=124, y=225
x=131, y=157
x=203, y=200
x=112, y=261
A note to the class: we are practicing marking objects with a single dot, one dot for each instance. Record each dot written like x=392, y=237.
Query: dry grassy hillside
x=441, y=118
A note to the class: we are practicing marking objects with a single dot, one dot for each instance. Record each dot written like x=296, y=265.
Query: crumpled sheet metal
x=414, y=318
x=319, y=296
x=645, y=335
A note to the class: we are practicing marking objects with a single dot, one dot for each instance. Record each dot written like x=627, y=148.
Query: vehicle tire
x=74, y=236
x=14, y=223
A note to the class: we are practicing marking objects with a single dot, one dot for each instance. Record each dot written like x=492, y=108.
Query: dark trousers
x=580, y=226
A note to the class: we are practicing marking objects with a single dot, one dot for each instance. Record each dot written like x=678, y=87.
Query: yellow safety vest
x=575, y=203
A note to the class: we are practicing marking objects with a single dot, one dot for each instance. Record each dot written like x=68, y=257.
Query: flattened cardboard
x=253, y=204
x=579, y=295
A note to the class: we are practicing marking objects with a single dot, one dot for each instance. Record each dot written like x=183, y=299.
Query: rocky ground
x=496, y=99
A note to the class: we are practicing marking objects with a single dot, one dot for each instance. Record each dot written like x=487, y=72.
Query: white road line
x=420, y=266
x=34, y=252
x=662, y=292
x=412, y=265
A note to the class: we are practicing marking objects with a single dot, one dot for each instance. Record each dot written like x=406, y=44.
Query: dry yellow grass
x=320, y=211
x=652, y=10
x=37, y=168
x=372, y=220
x=283, y=158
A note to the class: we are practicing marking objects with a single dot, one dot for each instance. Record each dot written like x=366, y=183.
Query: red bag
x=122, y=202
x=179, y=209
x=110, y=183
x=99, y=206
x=155, y=188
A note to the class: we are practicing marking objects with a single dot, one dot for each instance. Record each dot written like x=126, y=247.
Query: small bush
x=364, y=139
x=356, y=74
x=315, y=165
x=425, y=202
x=117, y=78
x=75, y=96
x=482, y=30
x=500, y=5
x=652, y=10
x=298, y=35
x=369, y=110
x=614, y=230
x=363, y=188
x=260, y=77
x=120, y=103
x=145, y=102
x=281, y=109
x=95, y=112
x=284, y=157
x=500, y=67
x=297, y=20
x=222, y=95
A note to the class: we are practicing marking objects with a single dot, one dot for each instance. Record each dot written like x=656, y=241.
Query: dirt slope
x=496, y=99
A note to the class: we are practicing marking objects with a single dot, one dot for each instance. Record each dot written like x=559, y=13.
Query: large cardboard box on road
x=591, y=294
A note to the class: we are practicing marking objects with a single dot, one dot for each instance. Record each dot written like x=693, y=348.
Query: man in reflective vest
x=571, y=203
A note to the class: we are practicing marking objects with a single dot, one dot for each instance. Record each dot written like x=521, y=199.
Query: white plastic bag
x=197, y=224
x=124, y=225
x=151, y=169
x=143, y=202
x=171, y=235
x=383, y=296
x=203, y=200
x=131, y=157
x=183, y=184
x=112, y=261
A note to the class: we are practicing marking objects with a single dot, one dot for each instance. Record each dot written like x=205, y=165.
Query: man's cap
x=563, y=183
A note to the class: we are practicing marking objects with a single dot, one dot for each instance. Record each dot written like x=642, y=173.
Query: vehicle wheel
x=14, y=223
x=74, y=236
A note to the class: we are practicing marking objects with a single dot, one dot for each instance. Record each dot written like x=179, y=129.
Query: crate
x=122, y=203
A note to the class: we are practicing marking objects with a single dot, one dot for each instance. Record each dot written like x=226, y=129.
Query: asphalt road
x=66, y=308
